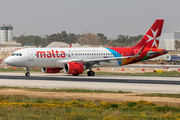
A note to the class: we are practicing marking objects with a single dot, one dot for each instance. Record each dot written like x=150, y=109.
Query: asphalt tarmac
x=99, y=78
x=99, y=82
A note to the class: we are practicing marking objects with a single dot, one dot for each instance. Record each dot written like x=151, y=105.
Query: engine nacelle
x=51, y=70
x=74, y=68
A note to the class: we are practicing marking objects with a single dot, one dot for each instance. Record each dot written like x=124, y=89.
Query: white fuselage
x=57, y=57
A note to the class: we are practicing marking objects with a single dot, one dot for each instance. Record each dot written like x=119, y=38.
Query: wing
x=104, y=59
x=97, y=60
x=113, y=58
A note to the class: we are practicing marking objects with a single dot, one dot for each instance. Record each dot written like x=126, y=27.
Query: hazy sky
x=110, y=17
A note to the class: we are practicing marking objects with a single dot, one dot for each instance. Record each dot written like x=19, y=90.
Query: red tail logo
x=151, y=38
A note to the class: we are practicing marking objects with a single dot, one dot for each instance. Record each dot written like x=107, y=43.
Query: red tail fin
x=151, y=38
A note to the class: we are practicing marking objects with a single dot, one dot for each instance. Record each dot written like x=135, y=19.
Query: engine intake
x=74, y=68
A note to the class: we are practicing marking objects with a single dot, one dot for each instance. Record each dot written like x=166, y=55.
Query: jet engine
x=74, y=68
x=51, y=70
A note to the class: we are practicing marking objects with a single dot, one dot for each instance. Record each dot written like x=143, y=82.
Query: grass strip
x=19, y=69
x=163, y=74
x=90, y=91
x=159, y=95
x=63, y=90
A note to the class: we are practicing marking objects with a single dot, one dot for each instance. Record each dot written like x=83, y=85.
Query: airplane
x=76, y=60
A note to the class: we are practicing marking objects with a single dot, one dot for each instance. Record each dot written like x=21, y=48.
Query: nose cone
x=8, y=61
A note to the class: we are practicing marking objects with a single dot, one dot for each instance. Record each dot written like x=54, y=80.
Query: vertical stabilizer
x=151, y=38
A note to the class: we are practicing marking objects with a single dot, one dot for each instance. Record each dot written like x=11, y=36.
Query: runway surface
x=99, y=82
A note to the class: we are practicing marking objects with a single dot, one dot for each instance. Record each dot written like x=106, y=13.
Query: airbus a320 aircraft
x=76, y=60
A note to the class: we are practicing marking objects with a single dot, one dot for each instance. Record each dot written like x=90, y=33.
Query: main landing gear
x=90, y=73
x=27, y=74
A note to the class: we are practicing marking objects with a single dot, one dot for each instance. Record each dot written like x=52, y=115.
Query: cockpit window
x=16, y=54
x=13, y=54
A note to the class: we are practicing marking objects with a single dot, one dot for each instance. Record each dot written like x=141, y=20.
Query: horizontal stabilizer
x=152, y=53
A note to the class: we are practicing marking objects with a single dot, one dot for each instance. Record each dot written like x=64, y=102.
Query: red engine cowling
x=51, y=70
x=74, y=68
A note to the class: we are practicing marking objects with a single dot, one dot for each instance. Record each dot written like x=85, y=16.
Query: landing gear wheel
x=75, y=74
x=90, y=73
x=27, y=74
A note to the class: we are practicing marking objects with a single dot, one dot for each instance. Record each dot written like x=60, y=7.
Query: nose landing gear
x=27, y=74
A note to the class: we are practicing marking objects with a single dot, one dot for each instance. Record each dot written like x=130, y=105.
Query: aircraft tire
x=90, y=73
x=27, y=74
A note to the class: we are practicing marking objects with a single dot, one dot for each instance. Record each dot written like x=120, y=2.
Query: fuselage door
x=30, y=55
